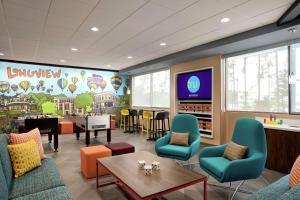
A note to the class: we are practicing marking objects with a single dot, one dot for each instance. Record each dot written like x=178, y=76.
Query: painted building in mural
x=28, y=88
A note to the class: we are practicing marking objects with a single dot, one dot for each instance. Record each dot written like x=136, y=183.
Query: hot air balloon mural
x=62, y=83
x=72, y=88
x=43, y=88
x=32, y=87
x=24, y=85
x=41, y=83
x=4, y=86
x=66, y=74
x=116, y=82
x=14, y=87
x=74, y=79
x=103, y=85
x=49, y=90
x=82, y=73
x=97, y=79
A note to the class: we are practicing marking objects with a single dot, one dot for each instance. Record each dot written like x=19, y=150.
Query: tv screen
x=195, y=85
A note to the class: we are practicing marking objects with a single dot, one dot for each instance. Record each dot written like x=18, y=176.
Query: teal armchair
x=247, y=132
x=181, y=123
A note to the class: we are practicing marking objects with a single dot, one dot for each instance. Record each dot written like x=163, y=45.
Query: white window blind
x=258, y=81
x=151, y=90
x=295, y=83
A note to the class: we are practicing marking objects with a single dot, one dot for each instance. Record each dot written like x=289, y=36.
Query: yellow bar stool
x=147, y=117
x=124, y=115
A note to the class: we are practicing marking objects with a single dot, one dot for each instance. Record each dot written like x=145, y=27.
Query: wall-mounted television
x=195, y=85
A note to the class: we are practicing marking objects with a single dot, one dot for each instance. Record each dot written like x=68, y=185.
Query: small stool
x=65, y=127
x=147, y=117
x=88, y=156
x=124, y=116
x=120, y=148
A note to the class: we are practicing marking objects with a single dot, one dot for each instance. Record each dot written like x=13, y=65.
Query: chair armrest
x=195, y=147
x=163, y=140
x=215, y=151
x=248, y=168
x=292, y=194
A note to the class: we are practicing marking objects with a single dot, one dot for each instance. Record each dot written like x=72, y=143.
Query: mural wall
x=30, y=90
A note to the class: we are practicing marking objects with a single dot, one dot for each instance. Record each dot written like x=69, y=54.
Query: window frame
x=287, y=44
x=151, y=89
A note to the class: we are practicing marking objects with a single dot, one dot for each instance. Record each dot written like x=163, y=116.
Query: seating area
x=149, y=100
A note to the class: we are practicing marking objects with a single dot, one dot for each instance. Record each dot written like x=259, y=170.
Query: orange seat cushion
x=294, y=178
x=88, y=156
x=66, y=127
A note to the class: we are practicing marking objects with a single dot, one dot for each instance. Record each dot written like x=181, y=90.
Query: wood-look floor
x=68, y=163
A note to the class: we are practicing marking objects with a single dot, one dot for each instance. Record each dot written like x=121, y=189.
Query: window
x=295, y=79
x=258, y=81
x=151, y=90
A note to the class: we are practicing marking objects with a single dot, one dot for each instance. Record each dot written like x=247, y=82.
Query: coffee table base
x=132, y=195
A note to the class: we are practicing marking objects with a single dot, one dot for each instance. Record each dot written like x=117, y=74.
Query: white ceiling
x=46, y=30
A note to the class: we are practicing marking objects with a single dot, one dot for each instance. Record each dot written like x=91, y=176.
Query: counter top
x=283, y=127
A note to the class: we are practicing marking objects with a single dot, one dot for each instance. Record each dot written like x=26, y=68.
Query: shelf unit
x=202, y=109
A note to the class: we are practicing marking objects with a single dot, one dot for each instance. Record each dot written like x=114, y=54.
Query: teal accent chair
x=247, y=132
x=182, y=123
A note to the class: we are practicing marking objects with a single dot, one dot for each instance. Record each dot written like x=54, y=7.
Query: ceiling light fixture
x=1, y=54
x=292, y=30
x=163, y=44
x=62, y=60
x=74, y=49
x=129, y=57
x=95, y=29
x=225, y=20
x=108, y=65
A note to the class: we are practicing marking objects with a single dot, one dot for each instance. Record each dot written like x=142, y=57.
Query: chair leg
x=237, y=188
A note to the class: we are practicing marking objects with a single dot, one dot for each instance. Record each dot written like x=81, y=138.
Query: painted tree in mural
x=49, y=107
x=84, y=100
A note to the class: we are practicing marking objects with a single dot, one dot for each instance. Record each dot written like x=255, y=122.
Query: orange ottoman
x=88, y=156
x=66, y=127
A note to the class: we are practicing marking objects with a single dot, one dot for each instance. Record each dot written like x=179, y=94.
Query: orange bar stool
x=88, y=156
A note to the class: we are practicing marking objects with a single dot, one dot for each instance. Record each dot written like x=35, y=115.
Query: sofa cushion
x=292, y=194
x=175, y=150
x=39, y=179
x=25, y=157
x=295, y=174
x=3, y=185
x=58, y=193
x=215, y=165
x=5, y=160
x=273, y=191
x=34, y=134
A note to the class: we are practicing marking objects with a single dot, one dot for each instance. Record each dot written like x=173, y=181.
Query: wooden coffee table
x=171, y=177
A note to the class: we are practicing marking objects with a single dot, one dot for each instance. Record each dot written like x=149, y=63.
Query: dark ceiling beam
x=291, y=14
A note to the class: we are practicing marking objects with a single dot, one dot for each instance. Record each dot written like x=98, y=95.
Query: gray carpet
x=68, y=162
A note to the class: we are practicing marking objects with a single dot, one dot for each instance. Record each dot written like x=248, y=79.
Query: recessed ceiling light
x=292, y=30
x=129, y=57
x=62, y=60
x=74, y=49
x=163, y=44
x=95, y=29
x=1, y=54
x=108, y=65
x=225, y=19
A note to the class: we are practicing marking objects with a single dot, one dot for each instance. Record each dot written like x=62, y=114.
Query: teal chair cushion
x=58, y=193
x=39, y=179
x=3, y=185
x=215, y=165
x=5, y=160
x=175, y=150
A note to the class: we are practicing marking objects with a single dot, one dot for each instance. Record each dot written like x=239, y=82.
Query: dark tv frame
x=192, y=72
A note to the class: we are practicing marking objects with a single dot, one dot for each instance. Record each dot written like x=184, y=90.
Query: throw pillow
x=235, y=151
x=34, y=134
x=294, y=178
x=25, y=157
x=181, y=139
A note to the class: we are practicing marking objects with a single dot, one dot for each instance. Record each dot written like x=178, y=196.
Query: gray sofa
x=41, y=183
